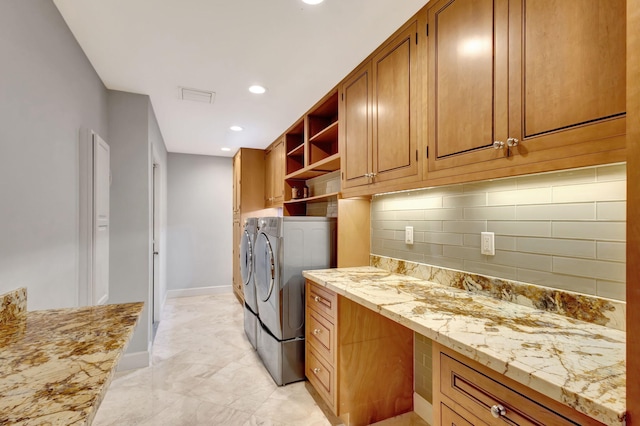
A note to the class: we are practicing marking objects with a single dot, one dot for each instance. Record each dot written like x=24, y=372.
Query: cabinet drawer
x=322, y=300
x=322, y=376
x=321, y=335
x=478, y=393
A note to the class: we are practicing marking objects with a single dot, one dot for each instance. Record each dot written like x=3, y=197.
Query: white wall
x=199, y=221
x=48, y=92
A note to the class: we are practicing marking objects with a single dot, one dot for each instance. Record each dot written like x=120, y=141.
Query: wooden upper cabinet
x=547, y=76
x=355, y=131
x=274, y=174
x=378, y=112
x=248, y=181
x=395, y=96
x=571, y=57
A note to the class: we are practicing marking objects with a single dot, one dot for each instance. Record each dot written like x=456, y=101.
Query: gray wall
x=199, y=221
x=48, y=91
x=134, y=134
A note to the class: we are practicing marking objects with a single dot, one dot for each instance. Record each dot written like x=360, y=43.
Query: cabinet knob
x=497, y=411
x=316, y=370
x=498, y=144
x=317, y=299
x=512, y=142
x=316, y=331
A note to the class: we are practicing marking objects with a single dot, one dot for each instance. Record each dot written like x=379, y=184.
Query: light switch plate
x=408, y=234
x=487, y=243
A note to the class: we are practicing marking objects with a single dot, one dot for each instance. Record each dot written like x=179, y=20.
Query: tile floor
x=205, y=372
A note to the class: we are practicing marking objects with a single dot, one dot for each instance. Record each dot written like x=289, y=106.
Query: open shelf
x=314, y=198
x=297, y=151
x=319, y=168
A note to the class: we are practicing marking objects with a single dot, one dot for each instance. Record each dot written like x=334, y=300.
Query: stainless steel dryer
x=247, y=246
x=285, y=246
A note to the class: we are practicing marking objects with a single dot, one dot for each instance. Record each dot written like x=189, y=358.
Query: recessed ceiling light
x=236, y=128
x=313, y=1
x=257, y=89
x=225, y=149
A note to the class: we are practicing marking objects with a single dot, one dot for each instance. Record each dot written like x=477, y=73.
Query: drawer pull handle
x=316, y=370
x=497, y=411
x=316, y=331
x=317, y=299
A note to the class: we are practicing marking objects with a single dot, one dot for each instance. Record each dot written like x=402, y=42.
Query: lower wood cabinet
x=359, y=362
x=468, y=393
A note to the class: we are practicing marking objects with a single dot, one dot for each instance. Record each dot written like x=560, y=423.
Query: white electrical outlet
x=408, y=234
x=487, y=243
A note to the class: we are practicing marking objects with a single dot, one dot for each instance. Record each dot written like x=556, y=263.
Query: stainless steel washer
x=284, y=248
x=247, y=244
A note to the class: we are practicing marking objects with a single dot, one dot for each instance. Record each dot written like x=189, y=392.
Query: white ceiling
x=299, y=52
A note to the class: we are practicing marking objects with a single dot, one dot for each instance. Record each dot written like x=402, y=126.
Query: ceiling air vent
x=196, y=95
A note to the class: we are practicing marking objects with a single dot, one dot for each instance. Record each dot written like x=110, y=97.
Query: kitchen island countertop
x=576, y=363
x=56, y=365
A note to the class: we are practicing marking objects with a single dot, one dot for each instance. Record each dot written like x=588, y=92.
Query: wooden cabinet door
x=395, y=108
x=278, y=172
x=355, y=127
x=274, y=174
x=467, y=80
x=237, y=173
x=567, y=73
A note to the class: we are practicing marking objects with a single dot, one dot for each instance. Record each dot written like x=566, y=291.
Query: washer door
x=246, y=257
x=265, y=267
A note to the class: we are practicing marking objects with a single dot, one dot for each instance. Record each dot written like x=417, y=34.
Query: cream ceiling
x=299, y=52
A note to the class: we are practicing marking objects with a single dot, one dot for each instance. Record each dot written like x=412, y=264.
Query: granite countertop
x=577, y=363
x=56, y=365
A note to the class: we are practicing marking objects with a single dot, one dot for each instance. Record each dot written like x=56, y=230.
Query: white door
x=95, y=180
x=101, y=183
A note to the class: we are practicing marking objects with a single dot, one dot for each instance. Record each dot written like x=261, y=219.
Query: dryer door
x=246, y=257
x=265, y=267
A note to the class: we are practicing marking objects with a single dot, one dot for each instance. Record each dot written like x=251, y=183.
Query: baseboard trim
x=135, y=360
x=423, y=408
x=199, y=291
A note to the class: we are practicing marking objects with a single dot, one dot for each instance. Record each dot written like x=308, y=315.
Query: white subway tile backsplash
x=443, y=238
x=490, y=213
x=459, y=252
x=427, y=225
x=464, y=226
x=612, y=210
x=410, y=215
x=466, y=200
x=445, y=262
x=564, y=282
x=489, y=186
x=611, y=290
x=612, y=251
x=490, y=269
x=574, y=248
x=521, y=260
x=611, y=172
x=611, y=271
x=519, y=197
x=600, y=191
x=383, y=215
x=581, y=211
x=505, y=243
x=525, y=229
x=606, y=231
x=443, y=214
x=547, y=180
x=564, y=230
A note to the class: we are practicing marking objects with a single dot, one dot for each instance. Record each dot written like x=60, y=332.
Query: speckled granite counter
x=56, y=365
x=577, y=363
